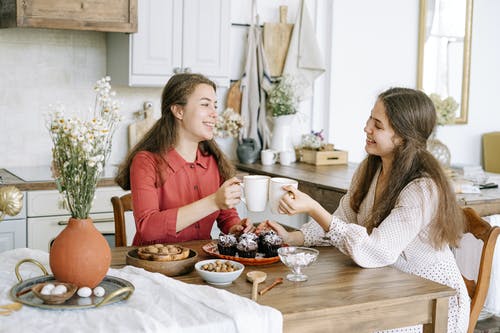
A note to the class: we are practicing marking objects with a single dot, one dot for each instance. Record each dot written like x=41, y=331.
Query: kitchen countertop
x=39, y=178
x=338, y=178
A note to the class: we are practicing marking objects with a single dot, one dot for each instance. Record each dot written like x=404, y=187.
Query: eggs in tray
x=57, y=292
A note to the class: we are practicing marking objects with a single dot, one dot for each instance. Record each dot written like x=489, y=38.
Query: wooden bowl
x=54, y=299
x=168, y=268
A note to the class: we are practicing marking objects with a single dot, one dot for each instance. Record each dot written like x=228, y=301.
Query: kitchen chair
x=120, y=206
x=482, y=230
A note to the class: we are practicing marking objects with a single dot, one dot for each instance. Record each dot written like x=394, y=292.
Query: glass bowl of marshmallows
x=296, y=258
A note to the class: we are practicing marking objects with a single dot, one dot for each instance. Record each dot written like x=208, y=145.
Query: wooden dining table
x=339, y=296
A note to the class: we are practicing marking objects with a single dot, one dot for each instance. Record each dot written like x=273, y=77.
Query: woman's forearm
x=321, y=216
x=189, y=214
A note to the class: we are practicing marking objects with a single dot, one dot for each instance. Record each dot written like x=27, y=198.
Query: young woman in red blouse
x=181, y=182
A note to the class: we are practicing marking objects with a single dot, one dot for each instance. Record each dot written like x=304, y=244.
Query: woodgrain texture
x=339, y=294
x=276, y=40
x=110, y=15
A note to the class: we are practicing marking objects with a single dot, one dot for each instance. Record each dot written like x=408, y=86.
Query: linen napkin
x=158, y=304
x=304, y=59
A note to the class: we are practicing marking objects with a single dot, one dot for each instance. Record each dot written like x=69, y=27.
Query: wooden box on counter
x=322, y=157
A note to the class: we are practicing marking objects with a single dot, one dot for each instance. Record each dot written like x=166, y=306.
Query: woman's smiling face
x=199, y=115
x=381, y=140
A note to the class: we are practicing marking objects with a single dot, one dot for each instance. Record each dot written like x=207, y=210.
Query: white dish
x=219, y=278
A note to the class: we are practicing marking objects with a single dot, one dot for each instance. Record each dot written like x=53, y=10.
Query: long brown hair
x=163, y=135
x=412, y=115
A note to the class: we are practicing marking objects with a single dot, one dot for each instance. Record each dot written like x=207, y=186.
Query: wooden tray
x=211, y=249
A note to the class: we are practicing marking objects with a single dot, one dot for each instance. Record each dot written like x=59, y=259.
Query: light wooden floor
x=490, y=325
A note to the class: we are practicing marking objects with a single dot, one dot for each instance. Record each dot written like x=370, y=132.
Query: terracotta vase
x=80, y=254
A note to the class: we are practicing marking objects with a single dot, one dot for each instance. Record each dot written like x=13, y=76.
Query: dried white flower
x=228, y=124
x=81, y=148
x=445, y=109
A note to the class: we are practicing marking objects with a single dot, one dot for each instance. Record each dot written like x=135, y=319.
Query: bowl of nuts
x=219, y=272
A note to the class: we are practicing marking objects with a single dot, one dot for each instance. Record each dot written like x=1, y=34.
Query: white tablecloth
x=158, y=304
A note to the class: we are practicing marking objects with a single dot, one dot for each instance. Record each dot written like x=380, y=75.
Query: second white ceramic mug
x=255, y=191
x=287, y=157
x=276, y=191
x=268, y=157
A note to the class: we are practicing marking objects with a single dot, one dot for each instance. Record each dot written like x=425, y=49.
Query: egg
x=99, y=291
x=84, y=292
x=59, y=290
x=47, y=289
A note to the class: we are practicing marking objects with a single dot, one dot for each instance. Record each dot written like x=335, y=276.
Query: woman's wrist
x=295, y=238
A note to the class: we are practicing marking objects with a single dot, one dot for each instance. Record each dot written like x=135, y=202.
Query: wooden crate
x=323, y=157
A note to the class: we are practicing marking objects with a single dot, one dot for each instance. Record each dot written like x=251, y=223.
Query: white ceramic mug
x=287, y=157
x=268, y=157
x=255, y=192
x=276, y=191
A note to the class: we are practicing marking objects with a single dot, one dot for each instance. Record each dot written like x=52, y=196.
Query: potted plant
x=80, y=254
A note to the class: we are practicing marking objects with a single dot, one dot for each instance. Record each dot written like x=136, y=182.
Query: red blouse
x=160, y=186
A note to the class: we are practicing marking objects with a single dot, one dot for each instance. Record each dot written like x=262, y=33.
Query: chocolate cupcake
x=271, y=243
x=247, y=248
x=249, y=235
x=227, y=244
x=263, y=234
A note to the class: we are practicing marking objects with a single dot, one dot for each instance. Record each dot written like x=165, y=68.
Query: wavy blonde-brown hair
x=412, y=115
x=163, y=135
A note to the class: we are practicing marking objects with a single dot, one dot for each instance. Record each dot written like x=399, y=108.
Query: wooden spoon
x=256, y=277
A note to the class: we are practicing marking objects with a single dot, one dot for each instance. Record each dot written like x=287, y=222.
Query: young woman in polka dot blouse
x=400, y=209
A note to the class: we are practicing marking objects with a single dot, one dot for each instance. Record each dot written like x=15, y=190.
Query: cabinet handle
x=177, y=70
x=103, y=220
x=187, y=70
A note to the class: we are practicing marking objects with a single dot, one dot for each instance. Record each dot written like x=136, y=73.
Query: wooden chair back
x=120, y=206
x=482, y=230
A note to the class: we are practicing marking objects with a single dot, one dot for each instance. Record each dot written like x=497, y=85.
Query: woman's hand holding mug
x=229, y=194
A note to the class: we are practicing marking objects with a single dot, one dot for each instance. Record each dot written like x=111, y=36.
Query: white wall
x=464, y=141
x=373, y=46
x=42, y=66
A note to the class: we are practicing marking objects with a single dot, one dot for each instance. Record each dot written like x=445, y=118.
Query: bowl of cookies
x=219, y=272
x=167, y=259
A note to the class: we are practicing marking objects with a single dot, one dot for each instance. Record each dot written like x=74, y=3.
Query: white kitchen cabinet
x=48, y=216
x=173, y=36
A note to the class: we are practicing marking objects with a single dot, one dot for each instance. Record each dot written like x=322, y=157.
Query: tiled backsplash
x=41, y=66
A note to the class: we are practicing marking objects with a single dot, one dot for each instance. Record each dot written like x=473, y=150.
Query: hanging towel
x=255, y=81
x=304, y=60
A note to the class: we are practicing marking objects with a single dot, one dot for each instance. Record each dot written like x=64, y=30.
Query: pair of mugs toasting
x=259, y=190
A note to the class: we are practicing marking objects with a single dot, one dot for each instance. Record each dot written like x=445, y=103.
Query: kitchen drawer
x=50, y=203
x=43, y=230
